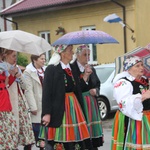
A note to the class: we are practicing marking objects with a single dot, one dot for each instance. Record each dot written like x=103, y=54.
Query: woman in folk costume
x=16, y=88
x=90, y=90
x=61, y=111
x=8, y=129
x=131, y=128
x=34, y=75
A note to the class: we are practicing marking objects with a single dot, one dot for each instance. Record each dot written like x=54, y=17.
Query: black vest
x=137, y=86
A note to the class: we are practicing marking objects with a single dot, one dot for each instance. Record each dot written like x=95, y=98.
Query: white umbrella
x=24, y=42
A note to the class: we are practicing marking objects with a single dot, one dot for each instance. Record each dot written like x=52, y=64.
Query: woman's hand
x=34, y=112
x=93, y=92
x=46, y=119
x=87, y=72
x=15, y=71
x=17, y=74
x=146, y=95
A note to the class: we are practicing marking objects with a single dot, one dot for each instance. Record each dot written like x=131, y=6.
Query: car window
x=104, y=73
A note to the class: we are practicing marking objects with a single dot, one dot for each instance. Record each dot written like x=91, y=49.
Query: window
x=46, y=36
x=92, y=47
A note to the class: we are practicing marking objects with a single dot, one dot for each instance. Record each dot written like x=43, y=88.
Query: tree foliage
x=22, y=60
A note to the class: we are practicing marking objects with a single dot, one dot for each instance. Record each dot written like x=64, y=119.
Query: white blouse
x=129, y=104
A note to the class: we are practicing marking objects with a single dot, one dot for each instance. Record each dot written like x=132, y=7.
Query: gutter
x=6, y=19
x=16, y=24
x=124, y=29
x=5, y=25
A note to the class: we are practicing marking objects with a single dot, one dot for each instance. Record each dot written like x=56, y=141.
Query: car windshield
x=104, y=73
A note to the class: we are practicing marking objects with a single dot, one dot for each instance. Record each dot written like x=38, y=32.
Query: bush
x=22, y=60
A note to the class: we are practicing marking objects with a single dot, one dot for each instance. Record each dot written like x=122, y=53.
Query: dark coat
x=53, y=97
x=93, y=82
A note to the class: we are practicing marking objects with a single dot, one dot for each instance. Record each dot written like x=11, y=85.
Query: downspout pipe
x=124, y=29
x=16, y=24
x=5, y=25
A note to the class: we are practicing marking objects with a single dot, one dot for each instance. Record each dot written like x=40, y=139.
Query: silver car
x=106, y=101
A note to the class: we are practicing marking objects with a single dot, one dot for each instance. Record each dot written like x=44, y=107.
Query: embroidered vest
x=138, y=87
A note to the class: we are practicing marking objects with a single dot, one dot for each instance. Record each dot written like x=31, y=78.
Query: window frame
x=91, y=47
x=46, y=36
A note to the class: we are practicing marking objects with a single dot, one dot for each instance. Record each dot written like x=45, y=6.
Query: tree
x=22, y=60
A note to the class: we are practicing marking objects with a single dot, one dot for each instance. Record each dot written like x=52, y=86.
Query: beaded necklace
x=69, y=72
x=39, y=71
x=40, y=75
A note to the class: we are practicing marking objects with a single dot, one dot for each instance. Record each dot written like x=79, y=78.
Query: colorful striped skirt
x=73, y=127
x=8, y=131
x=93, y=120
x=131, y=134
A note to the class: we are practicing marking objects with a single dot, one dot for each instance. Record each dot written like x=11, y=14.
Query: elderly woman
x=90, y=89
x=132, y=120
x=61, y=111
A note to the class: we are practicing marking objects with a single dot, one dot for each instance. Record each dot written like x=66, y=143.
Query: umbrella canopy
x=85, y=37
x=25, y=42
x=142, y=52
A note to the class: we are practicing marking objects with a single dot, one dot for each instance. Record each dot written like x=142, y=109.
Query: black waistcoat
x=137, y=88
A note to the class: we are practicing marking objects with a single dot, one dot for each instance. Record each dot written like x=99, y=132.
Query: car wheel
x=103, y=107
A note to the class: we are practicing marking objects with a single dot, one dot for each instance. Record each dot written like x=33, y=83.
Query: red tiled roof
x=25, y=5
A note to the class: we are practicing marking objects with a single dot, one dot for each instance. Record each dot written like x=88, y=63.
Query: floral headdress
x=55, y=59
x=60, y=48
x=80, y=48
x=131, y=61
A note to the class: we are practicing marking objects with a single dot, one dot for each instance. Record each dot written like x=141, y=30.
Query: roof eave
x=48, y=8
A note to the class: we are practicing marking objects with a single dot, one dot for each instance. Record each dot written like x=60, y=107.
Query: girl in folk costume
x=131, y=128
x=90, y=89
x=18, y=101
x=61, y=111
x=8, y=128
x=34, y=75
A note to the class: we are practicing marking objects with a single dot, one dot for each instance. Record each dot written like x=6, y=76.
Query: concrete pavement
x=107, y=128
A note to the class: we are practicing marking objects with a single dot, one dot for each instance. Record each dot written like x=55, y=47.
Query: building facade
x=45, y=21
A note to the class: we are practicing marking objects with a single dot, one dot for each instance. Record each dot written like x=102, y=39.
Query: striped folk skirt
x=73, y=128
x=8, y=131
x=129, y=134
x=93, y=120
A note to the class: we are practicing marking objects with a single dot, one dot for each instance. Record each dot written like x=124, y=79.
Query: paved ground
x=107, y=128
